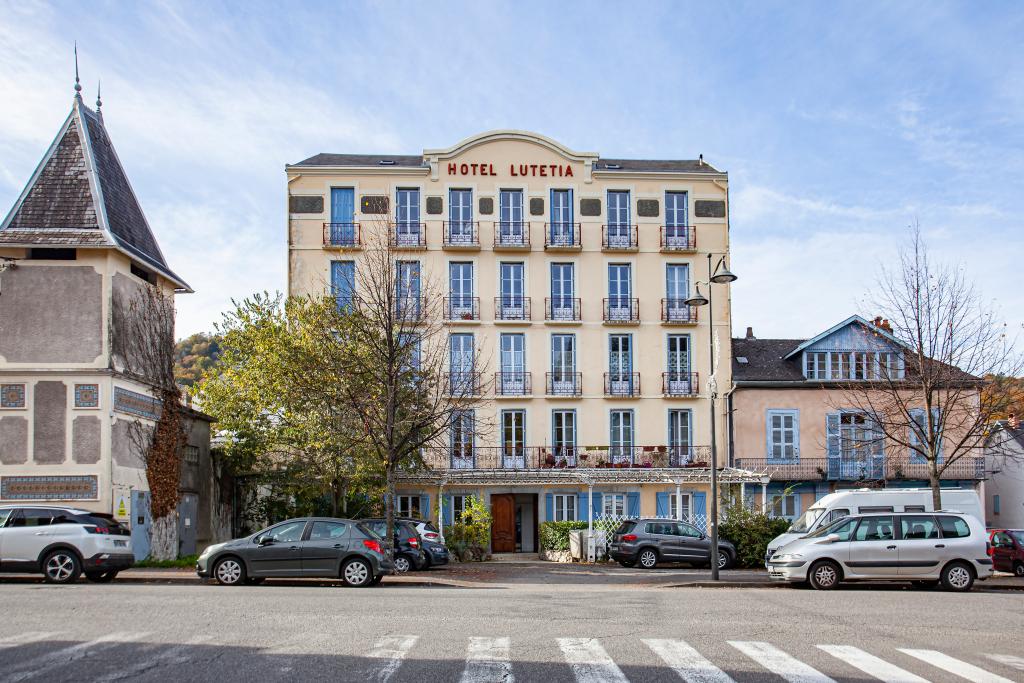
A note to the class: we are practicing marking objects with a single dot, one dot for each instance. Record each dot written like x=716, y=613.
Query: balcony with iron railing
x=678, y=312
x=862, y=468
x=409, y=307
x=562, y=310
x=461, y=309
x=407, y=235
x=512, y=309
x=342, y=235
x=622, y=384
x=461, y=235
x=513, y=384
x=678, y=238
x=619, y=237
x=564, y=384
x=514, y=457
x=680, y=384
x=462, y=384
x=563, y=236
x=514, y=235
x=622, y=310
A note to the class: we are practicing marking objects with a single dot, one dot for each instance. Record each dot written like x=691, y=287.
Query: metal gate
x=140, y=524
x=188, y=512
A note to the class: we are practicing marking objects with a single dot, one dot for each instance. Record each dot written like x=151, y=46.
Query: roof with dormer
x=79, y=196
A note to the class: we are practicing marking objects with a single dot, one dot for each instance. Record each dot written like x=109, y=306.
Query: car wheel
x=724, y=559
x=101, y=577
x=1018, y=569
x=229, y=572
x=254, y=580
x=647, y=558
x=402, y=564
x=626, y=563
x=61, y=566
x=357, y=573
x=957, y=577
x=825, y=575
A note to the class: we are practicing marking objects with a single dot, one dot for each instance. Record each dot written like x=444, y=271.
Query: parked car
x=62, y=543
x=409, y=552
x=323, y=547
x=646, y=542
x=947, y=548
x=427, y=530
x=430, y=539
x=1007, y=550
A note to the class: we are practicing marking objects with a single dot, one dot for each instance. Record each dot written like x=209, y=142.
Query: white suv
x=925, y=548
x=63, y=543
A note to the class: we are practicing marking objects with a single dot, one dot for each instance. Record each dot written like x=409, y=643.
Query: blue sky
x=840, y=123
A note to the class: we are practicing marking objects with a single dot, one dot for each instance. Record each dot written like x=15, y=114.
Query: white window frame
x=564, y=507
x=404, y=505
x=673, y=506
x=781, y=430
x=787, y=500
x=459, y=501
x=613, y=501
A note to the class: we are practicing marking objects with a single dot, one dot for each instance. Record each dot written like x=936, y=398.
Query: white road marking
x=691, y=665
x=955, y=666
x=176, y=654
x=392, y=649
x=488, y=660
x=26, y=638
x=589, y=661
x=778, y=662
x=1008, y=660
x=67, y=655
x=871, y=665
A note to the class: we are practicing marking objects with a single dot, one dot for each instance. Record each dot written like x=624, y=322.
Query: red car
x=1007, y=550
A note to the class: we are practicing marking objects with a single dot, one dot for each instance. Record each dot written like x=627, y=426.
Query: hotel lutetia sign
x=55, y=487
x=514, y=170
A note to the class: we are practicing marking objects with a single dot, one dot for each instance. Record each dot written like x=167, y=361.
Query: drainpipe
x=743, y=493
x=679, y=500
x=764, y=497
x=732, y=432
x=591, y=548
x=440, y=510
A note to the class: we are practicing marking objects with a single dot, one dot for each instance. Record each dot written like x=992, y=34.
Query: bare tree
x=931, y=405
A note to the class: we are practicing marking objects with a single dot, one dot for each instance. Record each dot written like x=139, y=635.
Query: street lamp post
x=721, y=276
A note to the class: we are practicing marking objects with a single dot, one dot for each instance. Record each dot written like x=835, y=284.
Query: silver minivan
x=928, y=549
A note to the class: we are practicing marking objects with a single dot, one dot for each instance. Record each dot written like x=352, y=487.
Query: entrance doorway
x=514, y=523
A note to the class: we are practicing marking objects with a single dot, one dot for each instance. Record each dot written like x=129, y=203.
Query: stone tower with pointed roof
x=74, y=249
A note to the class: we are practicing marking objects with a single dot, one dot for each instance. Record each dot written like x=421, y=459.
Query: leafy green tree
x=193, y=356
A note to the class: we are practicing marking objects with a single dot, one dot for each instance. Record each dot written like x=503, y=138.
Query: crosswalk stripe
x=589, y=661
x=177, y=654
x=691, y=665
x=25, y=638
x=778, y=662
x=955, y=666
x=66, y=655
x=871, y=665
x=488, y=660
x=1008, y=660
x=392, y=649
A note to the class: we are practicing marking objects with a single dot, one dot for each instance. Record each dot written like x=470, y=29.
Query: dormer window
x=852, y=365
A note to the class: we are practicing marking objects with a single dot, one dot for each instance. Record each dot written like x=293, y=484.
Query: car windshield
x=1019, y=535
x=829, y=528
x=805, y=521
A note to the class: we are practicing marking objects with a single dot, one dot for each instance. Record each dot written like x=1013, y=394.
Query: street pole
x=714, y=444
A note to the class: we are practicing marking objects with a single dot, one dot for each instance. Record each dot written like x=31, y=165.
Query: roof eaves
x=839, y=326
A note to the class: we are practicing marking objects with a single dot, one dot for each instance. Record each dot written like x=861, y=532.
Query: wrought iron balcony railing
x=564, y=383
x=562, y=310
x=678, y=238
x=408, y=307
x=462, y=384
x=622, y=310
x=461, y=308
x=342, y=235
x=512, y=384
x=514, y=457
x=462, y=234
x=677, y=311
x=622, y=384
x=408, y=235
x=619, y=237
x=680, y=383
x=511, y=234
x=865, y=468
x=563, y=235
x=512, y=308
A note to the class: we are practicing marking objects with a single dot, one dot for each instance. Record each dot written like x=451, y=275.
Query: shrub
x=471, y=532
x=750, y=531
x=555, y=535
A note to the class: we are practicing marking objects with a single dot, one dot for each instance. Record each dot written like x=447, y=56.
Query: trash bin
x=578, y=544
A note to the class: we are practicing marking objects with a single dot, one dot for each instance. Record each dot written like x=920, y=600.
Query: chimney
x=886, y=326
x=750, y=333
x=878, y=321
x=1013, y=421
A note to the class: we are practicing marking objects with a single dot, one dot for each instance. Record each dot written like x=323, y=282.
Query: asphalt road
x=162, y=632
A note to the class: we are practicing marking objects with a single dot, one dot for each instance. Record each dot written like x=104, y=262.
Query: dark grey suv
x=646, y=542
x=322, y=547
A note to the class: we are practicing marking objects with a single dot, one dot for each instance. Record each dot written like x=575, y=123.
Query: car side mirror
x=833, y=538
x=265, y=540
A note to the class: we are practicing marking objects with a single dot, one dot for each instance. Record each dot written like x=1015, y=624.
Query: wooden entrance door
x=503, y=523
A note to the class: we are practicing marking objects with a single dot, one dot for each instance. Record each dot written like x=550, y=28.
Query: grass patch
x=187, y=562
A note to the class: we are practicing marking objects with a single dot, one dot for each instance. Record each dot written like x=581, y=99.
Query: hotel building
x=567, y=273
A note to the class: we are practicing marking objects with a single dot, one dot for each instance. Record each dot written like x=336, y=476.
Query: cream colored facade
x=533, y=167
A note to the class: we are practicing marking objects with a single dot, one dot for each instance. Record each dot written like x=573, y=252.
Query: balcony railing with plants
x=563, y=235
x=622, y=384
x=678, y=238
x=677, y=311
x=512, y=457
x=622, y=310
x=564, y=383
x=342, y=235
x=462, y=384
x=407, y=235
x=461, y=234
x=461, y=308
x=512, y=308
x=680, y=383
x=511, y=234
x=562, y=310
x=512, y=384
x=868, y=468
x=619, y=237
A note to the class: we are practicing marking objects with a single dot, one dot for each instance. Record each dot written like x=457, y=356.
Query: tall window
x=783, y=430
x=343, y=282
x=620, y=291
x=461, y=361
x=463, y=427
x=621, y=441
x=614, y=504
x=918, y=433
x=619, y=233
x=460, y=216
x=676, y=219
x=408, y=284
x=783, y=505
x=816, y=365
x=562, y=231
x=409, y=346
x=565, y=507
x=678, y=362
x=563, y=364
x=513, y=438
x=512, y=299
x=563, y=291
x=620, y=357
x=854, y=445
x=511, y=229
x=677, y=291
x=407, y=216
x=460, y=290
x=460, y=503
x=407, y=506
x=342, y=226
x=563, y=435
x=513, y=364
x=679, y=507
x=680, y=433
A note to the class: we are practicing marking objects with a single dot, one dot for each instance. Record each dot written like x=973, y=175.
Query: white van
x=859, y=501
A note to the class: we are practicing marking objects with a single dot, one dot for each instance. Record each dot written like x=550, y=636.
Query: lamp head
x=723, y=275
x=697, y=299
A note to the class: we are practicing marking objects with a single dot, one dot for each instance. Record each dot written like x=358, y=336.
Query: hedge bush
x=555, y=535
x=470, y=534
x=750, y=531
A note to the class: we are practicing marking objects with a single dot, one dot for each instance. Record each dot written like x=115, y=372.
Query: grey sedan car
x=319, y=547
x=646, y=542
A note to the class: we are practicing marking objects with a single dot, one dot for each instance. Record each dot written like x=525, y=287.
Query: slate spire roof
x=79, y=196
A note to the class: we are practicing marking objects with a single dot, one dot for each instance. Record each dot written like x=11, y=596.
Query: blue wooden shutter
x=595, y=504
x=447, y=505
x=832, y=435
x=632, y=504
x=425, y=507
x=661, y=506
x=937, y=426
x=549, y=507
x=700, y=510
x=343, y=277
x=343, y=204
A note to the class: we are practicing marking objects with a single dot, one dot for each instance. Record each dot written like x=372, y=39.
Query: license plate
x=120, y=544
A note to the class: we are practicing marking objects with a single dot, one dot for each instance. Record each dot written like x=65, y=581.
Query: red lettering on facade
x=533, y=169
x=473, y=166
x=568, y=171
x=451, y=169
x=464, y=169
x=492, y=169
x=543, y=171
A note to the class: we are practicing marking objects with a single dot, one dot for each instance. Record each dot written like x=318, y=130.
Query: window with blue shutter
x=343, y=226
x=632, y=504
x=549, y=507
x=919, y=434
x=661, y=504
x=595, y=504
x=700, y=511
x=343, y=283
x=425, y=507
